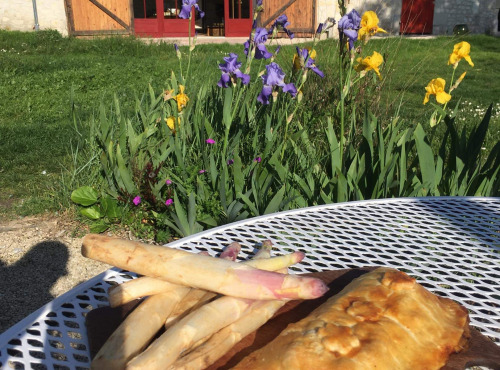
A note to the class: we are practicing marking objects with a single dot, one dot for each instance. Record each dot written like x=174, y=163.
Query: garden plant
x=194, y=158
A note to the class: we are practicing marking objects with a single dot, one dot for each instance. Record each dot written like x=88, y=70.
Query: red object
x=151, y=19
x=238, y=17
x=417, y=17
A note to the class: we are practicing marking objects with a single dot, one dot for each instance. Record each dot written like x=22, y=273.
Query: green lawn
x=42, y=75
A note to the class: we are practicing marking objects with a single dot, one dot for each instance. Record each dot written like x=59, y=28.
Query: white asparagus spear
x=144, y=286
x=221, y=342
x=205, y=321
x=231, y=251
x=192, y=330
x=141, y=287
x=214, y=274
x=197, y=297
x=137, y=330
x=136, y=288
x=265, y=250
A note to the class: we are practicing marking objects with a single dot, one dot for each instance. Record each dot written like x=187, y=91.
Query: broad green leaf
x=342, y=191
x=213, y=171
x=192, y=212
x=110, y=208
x=92, y=213
x=425, y=158
x=123, y=172
x=334, y=149
x=249, y=204
x=85, y=196
x=239, y=178
x=182, y=220
x=234, y=211
x=274, y=204
x=98, y=227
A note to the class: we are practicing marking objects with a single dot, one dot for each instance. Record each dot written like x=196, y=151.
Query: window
x=144, y=8
x=171, y=8
x=239, y=9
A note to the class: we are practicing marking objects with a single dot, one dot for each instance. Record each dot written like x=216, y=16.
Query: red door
x=417, y=17
x=238, y=17
x=160, y=18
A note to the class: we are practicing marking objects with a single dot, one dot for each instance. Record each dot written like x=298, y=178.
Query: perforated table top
x=450, y=244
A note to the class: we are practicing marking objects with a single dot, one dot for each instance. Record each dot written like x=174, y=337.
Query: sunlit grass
x=43, y=75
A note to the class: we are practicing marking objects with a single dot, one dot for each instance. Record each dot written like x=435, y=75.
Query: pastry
x=383, y=319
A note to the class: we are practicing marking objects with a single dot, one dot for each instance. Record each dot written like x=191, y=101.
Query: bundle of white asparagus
x=206, y=305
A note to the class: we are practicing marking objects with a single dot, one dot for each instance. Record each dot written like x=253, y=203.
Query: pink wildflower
x=137, y=200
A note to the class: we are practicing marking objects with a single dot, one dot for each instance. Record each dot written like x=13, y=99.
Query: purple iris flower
x=274, y=77
x=281, y=23
x=259, y=39
x=186, y=9
x=349, y=25
x=309, y=62
x=259, y=2
x=320, y=28
x=231, y=70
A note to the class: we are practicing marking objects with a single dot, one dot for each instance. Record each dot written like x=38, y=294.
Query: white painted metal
x=450, y=244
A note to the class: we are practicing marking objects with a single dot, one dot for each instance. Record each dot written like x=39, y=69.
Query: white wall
x=18, y=15
x=480, y=15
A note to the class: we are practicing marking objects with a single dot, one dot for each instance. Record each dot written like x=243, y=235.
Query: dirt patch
x=40, y=259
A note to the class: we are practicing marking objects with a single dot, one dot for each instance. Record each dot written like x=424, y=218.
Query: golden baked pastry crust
x=383, y=320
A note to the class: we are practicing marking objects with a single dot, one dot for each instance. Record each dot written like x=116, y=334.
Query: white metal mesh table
x=451, y=245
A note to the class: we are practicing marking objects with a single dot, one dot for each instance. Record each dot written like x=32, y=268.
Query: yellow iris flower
x=369, y=25
x=372, y=62
x=460, y=51
x=436, y=87
x=296, y=58
x=181, y=98
x=171, y=122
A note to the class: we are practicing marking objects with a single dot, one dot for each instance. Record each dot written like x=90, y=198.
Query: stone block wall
x=479, y=15
x=17, y=15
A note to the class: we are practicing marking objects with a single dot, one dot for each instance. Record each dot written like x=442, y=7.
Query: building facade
x=396, y=16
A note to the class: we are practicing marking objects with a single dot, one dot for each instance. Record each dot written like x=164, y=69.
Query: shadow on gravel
x=25, y=286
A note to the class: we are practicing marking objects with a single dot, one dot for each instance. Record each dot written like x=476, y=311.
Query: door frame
x=161, y=27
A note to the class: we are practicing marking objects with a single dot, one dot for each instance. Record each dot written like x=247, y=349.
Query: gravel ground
x=40, y=259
